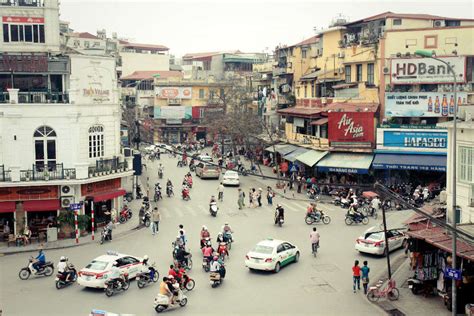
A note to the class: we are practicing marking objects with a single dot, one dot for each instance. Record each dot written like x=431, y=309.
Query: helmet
x=114, y=264
x=62, y=258
x=216, y=258
x=220, y=234
x=226, y=224
x=204, y=227
x=278, y=205
x=145, y=257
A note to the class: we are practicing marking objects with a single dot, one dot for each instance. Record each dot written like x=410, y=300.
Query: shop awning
x=278, y=146
x=295, y=154
x=287, y=149
x=320, y=121
x=311, y=157
x=6, y=207
x=410, y=162
x=108, y=195
x=41, y=205
x=346, y=163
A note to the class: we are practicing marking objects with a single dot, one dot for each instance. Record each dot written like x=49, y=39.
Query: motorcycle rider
x=215, y=265
x=313, y=211
x=220, y=238
x=146, y=267
x=207, y=252
x=161, y=169
x=227, y=232
x=204, y=235
x=158, y=189
x=116, y=274
x=354, y=212
x=279, y=213
x=182, y=256
x=39, y=261
x=63, y=268
x=165, y=290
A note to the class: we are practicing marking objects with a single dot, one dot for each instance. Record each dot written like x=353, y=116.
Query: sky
x=189, y=26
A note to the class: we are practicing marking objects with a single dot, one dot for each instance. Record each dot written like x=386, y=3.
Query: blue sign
x=453, y=274
x=343, y=170
x=416, y=139
x=75, y=206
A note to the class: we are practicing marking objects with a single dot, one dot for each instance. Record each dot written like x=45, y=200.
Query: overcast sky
x=249, y=25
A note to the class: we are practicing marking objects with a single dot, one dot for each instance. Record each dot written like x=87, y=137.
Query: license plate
x=88, y=278
x=256, y=260
x=367, y=245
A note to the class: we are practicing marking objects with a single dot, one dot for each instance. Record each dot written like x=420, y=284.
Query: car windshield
x=374, y=236
x=263, y=249
x=97, y=265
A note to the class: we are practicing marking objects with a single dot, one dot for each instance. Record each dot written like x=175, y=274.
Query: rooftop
x=84, y=35
x=352, y=107
x=414, y=16
x=154, y=47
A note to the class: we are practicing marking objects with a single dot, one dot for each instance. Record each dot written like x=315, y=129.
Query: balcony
x=107, y=166
x=34, y=97
x=22, y=3
x=4, y=174
x=53, y=172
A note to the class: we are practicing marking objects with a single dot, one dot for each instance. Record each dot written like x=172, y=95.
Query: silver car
x=207, y=171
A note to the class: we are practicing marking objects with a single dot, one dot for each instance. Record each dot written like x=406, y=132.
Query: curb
x=118, y=235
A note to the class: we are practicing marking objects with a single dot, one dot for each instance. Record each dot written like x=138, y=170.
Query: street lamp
x=432, y=55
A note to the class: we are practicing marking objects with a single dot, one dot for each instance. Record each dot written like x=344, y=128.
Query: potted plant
x=66, y=223
x=28, y=176
x=46, y=175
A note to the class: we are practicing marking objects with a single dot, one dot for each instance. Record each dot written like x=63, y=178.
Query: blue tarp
x=410, y=162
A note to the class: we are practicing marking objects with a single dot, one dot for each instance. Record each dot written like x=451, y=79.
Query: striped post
x=76, y=226
x=92, y=219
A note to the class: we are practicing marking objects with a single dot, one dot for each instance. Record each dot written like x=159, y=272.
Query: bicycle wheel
x=373, y=296
x=393, y=294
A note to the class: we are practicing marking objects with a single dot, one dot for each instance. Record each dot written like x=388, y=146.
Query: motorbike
x=185, y=194
x=61, y=278
x=125, y=215
x=316, y=218
x=105, y=235
x=228, y=238
x=158, y=195
x=47, y=269
x=215, y=278
x=279, y=220
x=144, y=278
x=345, y=203
x=187, y=283
x=114, y=286
x=192, y=167
x=351, y=219
x=182, y=163
x=128, y=197
x=161, y=302
x=372, y=212
x=206, y=265
x=146, y=219
x=169, y=190
x=213, y=208
x=190, y=182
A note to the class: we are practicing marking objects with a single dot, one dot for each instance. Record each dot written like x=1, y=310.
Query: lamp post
x=427, y=54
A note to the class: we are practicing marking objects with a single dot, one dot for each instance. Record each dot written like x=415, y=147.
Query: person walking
x=299, y=184
x=356, y=276
x=220, y=191
x=156, y=217
x=259, y=197
x=251, y=197
x=241, y=199
x=270, y=195
x=314, y=238
x=365, y=276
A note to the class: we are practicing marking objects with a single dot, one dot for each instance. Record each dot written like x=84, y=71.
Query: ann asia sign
x=346, y=128
x=427, y=70
x=173, y=92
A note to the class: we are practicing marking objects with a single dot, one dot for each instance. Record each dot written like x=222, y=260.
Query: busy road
x=321, y=285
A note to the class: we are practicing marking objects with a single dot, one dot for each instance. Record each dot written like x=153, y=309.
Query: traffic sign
x=293, y=169
x=453, y=274
x=75, y=206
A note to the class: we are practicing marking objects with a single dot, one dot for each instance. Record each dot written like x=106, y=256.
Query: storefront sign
x=343, y=170
x=22, y=19
x=29, y=193
x=351, y=127
x=173, y=92
x=421, y=104
x=174, y=121
x=101, y=186
x=23, y=63
x=427, y=70
x=413, y=167
x=451, y=273
x=415, y=139
x=173, y=112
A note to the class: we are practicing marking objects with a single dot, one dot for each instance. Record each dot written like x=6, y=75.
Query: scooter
x=158, y=195
x=187, y=283
x=279, y=220
x=351, y=219
x=169, y=190
x=206, y=265
x=146, y=219
x=144, y=278
x=345, y=203
x=315, y=218
x=46, y=269
x=160, y=174
x=61, y=278
x=192, y=167
x=185, y=194
x=161, y=302
x=213, y=208
x=114, y=286
x=216, y=279
x=125, y=215
x=106, y=235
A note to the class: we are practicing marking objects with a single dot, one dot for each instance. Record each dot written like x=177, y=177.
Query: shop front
x=309, y=160
x=7, y=218
x=41, y=215
x=345, y=168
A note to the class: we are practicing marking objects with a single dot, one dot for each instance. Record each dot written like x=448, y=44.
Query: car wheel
x=297, y=257
x=277, y=267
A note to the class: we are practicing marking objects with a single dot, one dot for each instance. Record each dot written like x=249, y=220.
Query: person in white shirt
x=220, y=190
x=215, y=265
x=63, y=268
x=375, y=203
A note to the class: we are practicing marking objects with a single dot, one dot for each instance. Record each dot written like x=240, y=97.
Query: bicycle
x=390, y=291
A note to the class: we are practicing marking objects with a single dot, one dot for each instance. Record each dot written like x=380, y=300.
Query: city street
x=321, y=285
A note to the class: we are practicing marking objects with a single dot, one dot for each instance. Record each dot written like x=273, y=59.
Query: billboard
x=173, y=92
x=427, y=70
x=412, y=140
x=173, y=112
x=421, y=104
x=351, y=127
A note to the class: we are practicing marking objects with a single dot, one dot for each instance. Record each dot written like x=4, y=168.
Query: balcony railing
x=22, y=3
x=106, y=166
x=4, y=174
x=53, y=172
x=37, y=97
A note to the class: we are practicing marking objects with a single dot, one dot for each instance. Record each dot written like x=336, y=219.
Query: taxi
x=271, y=255
x=97, y=271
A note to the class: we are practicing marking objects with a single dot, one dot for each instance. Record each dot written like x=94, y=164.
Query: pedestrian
x=299, y=184
x=356, y=275
x=314, y=237
x=241, y=198
x=156, y=217
x=114, y=215
x=250, y=197
x=220, y=191
x=365, y=276
x=270, y=195
x=259, y=197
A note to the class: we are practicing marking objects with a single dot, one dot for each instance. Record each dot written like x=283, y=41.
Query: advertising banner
x=351, y=127
x=173, y=92
x=415, y=139
x=427, y=70
x=173, y=112
x=419, y=104
x=22, y=19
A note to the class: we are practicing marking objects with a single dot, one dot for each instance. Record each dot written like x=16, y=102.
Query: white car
x=231, y=178
x=373, y=241
x=96, y=272
x=204, y=158
x=163, y=146
x=271, y=255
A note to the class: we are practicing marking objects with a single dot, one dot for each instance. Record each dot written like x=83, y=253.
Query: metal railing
x=5, y=175
x=22, y=3
x=45, y=173
x=107, y=166
x=42, y=97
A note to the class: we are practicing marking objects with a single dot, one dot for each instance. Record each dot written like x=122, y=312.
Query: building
x=265, y=97
x=59, y=127
x=142, y=57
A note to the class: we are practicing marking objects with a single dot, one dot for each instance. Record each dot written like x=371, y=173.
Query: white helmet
x=62, y=258
x=204, y=227
x=145, y=257
x=114, y=264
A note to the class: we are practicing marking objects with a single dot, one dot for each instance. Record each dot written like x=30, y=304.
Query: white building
x=59, y=129
x=142, y=57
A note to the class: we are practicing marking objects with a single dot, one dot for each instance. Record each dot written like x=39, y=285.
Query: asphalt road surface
x=313, y=286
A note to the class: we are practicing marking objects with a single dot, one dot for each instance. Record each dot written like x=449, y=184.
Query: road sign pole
x=92, y=219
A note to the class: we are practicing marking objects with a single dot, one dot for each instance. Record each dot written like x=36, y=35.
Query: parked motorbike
x=352, y=219
x=115, y=286
x=61, y=278
x=161, y=302
x=144, y=278
x=125, y=215
x=316, y=218
x=106, y=235
x=46, y=270
x=146, y=219
x=213, y=208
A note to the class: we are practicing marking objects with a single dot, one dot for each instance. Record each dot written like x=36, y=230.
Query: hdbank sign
x=414, y=140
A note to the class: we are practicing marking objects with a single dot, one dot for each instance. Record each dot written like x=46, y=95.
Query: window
x=6, y=34
x=201, y=93
x=359, y=72
x=29, y=33
x=431, y=41
x=397, y=21
x=304, y=53
x=96, y=141
x=347, y=72
x=87, y=44
x=45, y=148
x=466, y=161
x=96, y=44
x=453, y=23
x=370, y=74
x=222, y=92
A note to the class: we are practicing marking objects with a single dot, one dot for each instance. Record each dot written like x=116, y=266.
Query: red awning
x=6, y=207
x=320, y=121
x=108, y=195
x=41, y=205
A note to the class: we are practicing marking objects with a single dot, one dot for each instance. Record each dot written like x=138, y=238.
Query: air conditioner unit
x=341, y=55
x=66, y=201
x=438, y=23
x=67, y=190
x=386, y=70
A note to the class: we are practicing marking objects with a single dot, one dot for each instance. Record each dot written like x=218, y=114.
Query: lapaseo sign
x=351, y=127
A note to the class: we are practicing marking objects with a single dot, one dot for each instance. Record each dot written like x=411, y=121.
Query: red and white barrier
x=92, y=219
x=76, y=226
